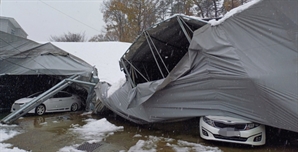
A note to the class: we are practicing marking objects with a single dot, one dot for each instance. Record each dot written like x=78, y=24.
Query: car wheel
x=74, y=107
x=40, y=110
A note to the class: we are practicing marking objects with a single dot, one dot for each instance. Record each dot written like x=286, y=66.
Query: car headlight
x=209, y=121
x=251, y=126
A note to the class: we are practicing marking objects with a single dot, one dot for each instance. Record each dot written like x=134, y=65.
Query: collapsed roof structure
x=244, y=67
x=21, y=58
x=158, y=49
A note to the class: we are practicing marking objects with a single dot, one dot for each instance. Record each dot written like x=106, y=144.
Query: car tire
x=74, y=107
x=40, y=110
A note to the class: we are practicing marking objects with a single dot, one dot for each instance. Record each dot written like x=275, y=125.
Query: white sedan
x=234, y=130
x=62, y=101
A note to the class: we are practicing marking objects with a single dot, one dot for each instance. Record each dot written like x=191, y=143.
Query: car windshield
x=57, y=95
x=34, y=95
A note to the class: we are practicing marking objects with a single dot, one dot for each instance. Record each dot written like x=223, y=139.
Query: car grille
x=230, y=138
x=237, y=127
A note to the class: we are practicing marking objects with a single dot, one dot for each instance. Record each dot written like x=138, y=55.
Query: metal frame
x=181, y=22
x=149, y=36
x=133, y=71
x=136, y=69
x=38, y=100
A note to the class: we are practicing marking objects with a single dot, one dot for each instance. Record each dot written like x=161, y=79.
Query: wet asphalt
x=51, y=137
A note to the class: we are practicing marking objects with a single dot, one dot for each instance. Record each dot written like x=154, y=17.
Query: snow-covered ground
x=150, y=145
x=7, y=132
x=96, y=130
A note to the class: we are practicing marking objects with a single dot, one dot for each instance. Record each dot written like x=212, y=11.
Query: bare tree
x=230, y=4
x=128, y=18
x=104, y=37
x=69, y=37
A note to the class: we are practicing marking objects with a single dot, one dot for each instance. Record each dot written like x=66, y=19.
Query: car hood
x=23, y=100
x=227, y=119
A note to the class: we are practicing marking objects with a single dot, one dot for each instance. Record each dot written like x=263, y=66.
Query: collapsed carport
x=243, y=67
x=21, y=58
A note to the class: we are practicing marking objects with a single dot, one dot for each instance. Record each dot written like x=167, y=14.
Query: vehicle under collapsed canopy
x=242, y=66
x=54, y=69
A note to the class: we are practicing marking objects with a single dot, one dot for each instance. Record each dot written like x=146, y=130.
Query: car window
x=62, y=95
x=35, y=94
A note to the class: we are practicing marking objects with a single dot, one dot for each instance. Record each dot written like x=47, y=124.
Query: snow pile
x=115, y=86
x=233, y=12
x=7, y=132
x=104, y=56
x=96, y=130
x=151, y=145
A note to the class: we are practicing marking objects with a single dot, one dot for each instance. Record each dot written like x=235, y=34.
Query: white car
x=62, y=101
x=234, y=130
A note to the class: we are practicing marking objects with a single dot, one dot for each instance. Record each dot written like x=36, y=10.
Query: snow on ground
x=96, y=130
x=7, y=132
x=233, y=12
x=152, y=142
x=70, y=149
x=93, y=132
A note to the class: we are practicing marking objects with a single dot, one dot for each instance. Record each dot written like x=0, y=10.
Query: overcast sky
x=43, y=18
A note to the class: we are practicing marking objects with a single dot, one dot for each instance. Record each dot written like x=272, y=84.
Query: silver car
x=62, y=101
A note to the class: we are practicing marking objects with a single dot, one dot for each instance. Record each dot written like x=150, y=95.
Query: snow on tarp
x=246, y=67
x=20, y=56
x=232, y=12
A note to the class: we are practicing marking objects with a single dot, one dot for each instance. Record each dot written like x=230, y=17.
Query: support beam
x=136, y=69
x=126, y=71
x=146, y=35
x=183, y=29
x=37, y=101
x=158, y=53
x=83, y=82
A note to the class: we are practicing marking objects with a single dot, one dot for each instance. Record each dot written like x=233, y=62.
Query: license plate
x=228, y=132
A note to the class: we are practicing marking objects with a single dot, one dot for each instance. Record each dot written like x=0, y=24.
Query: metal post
x=93, y=83
x=83, y=82
x=158, y=54
x=154, y=55
x=184, y=30
x=136, y=69
x=129, y=78
x=36, y=101
x=186, y=25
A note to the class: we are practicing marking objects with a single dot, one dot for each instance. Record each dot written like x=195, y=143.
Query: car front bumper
x=15, y=107
x=255, y=136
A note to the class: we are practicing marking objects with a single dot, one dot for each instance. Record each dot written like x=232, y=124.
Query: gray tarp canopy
x=245, y=67
x=19, y=56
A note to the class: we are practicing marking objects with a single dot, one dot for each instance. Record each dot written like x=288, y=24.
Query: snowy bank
x=7, y=132
x=103, y=55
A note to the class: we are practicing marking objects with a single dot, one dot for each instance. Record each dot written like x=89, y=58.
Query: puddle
x=67, y=132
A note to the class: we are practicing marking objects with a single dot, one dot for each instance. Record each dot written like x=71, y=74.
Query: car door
x=54, y=103
x=64, y=101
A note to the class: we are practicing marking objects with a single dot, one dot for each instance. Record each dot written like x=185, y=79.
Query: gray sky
x=43, y=18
